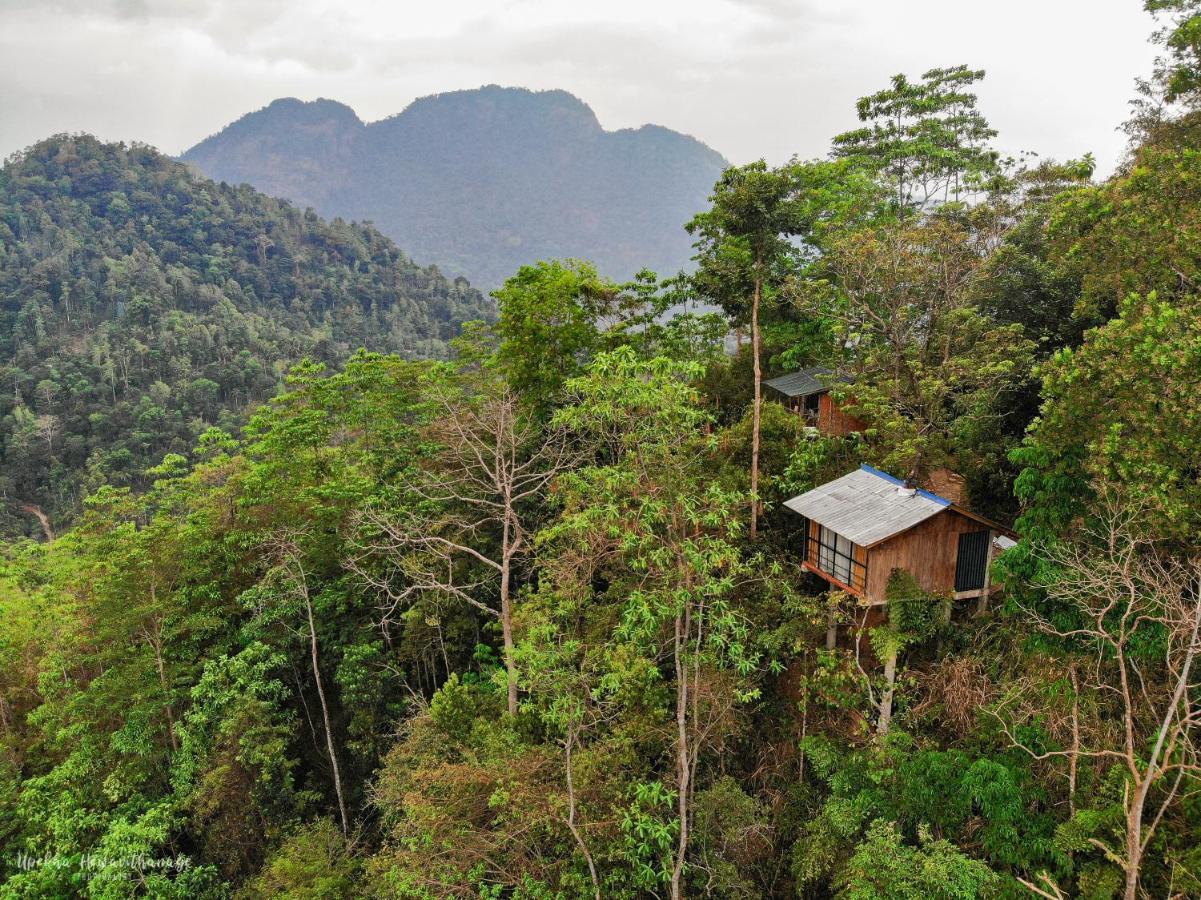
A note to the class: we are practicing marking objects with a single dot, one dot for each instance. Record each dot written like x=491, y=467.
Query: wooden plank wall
x=928, y=551
x=832, y=420
x=860, y=554
x=815, y=531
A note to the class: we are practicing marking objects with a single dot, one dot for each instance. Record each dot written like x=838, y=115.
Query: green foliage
x=315, y=863
x=946, y=791
x=549, y=325
x=746, y=236
x=1030, y=282
x=925, y=140
x=733, y=837
x=453, y=710
x=1113, y=238
x=932, y=375
x=142, y=305
x=1180, y=74
x=884, y=868
x=913, y=614
x=650, y=833
x=781, y=434
x=1121, y=411
x=266, y=660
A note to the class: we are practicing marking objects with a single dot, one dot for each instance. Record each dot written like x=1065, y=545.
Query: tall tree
x=925, y=139
x=650, y=521
x=551, y=319
x=295, y=583
x=494, y=461
x=745, y=250
x=930, y=370
x=1133, y=614
x=913, y=616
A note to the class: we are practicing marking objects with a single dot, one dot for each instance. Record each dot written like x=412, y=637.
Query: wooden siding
x=928, y=551
x=832, y=420
x=829, y=417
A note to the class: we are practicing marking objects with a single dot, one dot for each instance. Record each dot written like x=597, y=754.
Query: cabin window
x=972, y=562
x=811, y=405
x=836, y=555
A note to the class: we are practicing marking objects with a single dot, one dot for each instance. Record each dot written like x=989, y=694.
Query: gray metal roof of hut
x=802, y=383
x=867, y=506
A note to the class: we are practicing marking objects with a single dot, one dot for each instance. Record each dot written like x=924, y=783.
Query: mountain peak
x=310, y=110
x=494, y=108
x=481, y=181
x=287, y=112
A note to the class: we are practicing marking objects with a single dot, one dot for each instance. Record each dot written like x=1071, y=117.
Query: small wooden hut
x=860, y=527
x=807, y=393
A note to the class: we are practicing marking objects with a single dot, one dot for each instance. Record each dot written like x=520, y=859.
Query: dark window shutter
x=972, y=562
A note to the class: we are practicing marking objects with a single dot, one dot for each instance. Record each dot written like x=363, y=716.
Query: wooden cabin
x=807, y=393
x=860, y=527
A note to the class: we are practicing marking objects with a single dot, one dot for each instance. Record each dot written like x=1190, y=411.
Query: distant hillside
x=481, y=181
x=140, y=304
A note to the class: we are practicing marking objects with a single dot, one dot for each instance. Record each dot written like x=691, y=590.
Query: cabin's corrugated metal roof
x=867, y=506
x=802, y=383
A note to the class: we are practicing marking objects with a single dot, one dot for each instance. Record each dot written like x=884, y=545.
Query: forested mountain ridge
x=480, y=181
x=141, y=304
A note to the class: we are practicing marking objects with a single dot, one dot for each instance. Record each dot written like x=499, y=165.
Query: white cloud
x=749, y=77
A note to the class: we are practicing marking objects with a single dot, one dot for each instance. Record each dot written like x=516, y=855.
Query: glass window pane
x=842, y=564
x=845, y=549
x=835, y=555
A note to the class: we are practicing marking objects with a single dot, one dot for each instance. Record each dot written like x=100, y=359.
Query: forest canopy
x=141, y=304
x=517, y=611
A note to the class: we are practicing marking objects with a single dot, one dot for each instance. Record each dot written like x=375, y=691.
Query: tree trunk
x=329, y=734
x=575, y=831
x=683, y=770
x=506, y=619
x=1074, y=759
x=890, y=683
x=506, y=627
x=1134, y=839
x=156, y=644
x=755, y=414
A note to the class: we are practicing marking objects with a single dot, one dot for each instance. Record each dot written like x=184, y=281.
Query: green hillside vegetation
x=513, y=623
x=140, y=304
x=480, y=181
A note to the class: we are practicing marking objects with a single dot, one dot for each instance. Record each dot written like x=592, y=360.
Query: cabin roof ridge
x=866, y=506
x=921, y=492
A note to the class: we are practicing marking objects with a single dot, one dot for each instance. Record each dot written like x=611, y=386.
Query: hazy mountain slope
x=140, y=304
x=481, y=181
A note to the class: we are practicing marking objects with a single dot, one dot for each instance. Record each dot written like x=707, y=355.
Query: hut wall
x=832, y=420
x=928, y=551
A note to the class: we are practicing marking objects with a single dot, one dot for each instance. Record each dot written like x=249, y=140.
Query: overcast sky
x=751, y=78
